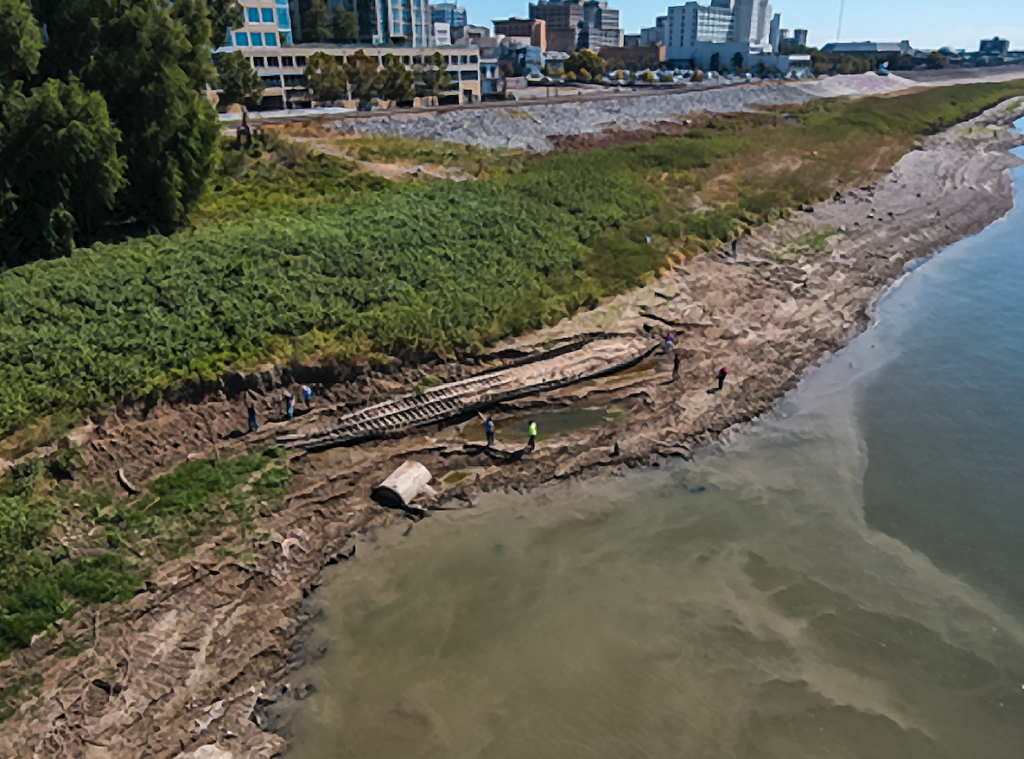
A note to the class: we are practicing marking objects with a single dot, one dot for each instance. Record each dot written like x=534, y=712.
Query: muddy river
x=843, y=578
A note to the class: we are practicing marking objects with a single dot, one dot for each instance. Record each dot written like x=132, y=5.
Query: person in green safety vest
x=533, y=436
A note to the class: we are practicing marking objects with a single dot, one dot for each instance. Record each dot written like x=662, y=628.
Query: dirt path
x=182, y=669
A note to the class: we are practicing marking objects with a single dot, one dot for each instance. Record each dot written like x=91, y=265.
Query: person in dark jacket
x=489, y=428
x=721, y=377
x=289, y=405
x=254, y=425
x=675, y=366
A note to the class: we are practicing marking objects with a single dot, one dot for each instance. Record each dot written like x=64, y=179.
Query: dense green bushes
x=435, y=265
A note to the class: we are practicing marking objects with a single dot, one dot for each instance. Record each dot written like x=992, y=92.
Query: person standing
x=670, y=342
x=735, y=244
x=289, y=405
x=721, y=377
x=307, y=396
x=489, y=428
x=254, y=425
x=675, y=366
x=533, y=437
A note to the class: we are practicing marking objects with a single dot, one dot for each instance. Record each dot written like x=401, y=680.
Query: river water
x=844, y=578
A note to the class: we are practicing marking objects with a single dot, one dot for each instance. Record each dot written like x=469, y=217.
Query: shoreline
x=211, y=643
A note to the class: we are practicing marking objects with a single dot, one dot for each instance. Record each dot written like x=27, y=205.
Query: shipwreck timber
x=593, y=358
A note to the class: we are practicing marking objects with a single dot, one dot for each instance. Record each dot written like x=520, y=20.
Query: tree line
x=105, y=131
x=359, y=78
x=104, y=128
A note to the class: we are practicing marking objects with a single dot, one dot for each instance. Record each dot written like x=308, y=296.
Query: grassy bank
x=309, y=260
x=64, y=549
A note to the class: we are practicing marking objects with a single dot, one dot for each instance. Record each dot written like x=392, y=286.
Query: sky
x=928, y=24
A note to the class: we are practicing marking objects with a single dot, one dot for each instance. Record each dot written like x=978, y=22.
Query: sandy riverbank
x=185, y=663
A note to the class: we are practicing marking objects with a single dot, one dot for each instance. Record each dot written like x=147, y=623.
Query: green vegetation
x=470, y=158
x=316, y=23
x=326, y=79
x=279, y=177
x=433, y=265
x=63, y=550
x=344, y=25
x=103, y=124
x=238, y=80
x=585, y=61
x=224, y=14
x=433, y=78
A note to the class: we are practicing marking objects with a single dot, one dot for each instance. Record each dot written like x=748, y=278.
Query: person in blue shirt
x=489, y=428
x=289, y=404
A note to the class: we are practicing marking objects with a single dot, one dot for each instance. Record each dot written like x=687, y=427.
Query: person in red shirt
x=721, y=381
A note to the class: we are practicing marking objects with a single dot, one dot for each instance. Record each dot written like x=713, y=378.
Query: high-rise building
x=380, y=22
x=797, y=39
x=651, y=34
x=774, y=33
x=391, y=22
x=532, y=32
x=600, y=26
x=726, y=27
x=267, y=24
x=449, y=13
x=442, y=34
x=996, y=46
x=577, y=24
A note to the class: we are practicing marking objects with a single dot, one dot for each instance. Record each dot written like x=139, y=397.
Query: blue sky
x=926, y=23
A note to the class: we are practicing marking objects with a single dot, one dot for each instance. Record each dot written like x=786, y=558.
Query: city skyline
x=926, y=23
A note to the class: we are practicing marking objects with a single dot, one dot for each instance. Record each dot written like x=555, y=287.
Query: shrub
x=341, y=263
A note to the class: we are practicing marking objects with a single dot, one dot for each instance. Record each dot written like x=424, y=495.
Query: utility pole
x=839, y=31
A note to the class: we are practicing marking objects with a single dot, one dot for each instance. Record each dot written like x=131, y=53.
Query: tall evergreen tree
x=316, y=23
x=58, y=151
x=395, y=81
x=433, y=78
x=20, y=42
x=361, y=73
x=325, y=78
x=239, y=82
x=224, y=14
x=147, y=62
x=344, y=27
x=61, y=169
x=194, y=16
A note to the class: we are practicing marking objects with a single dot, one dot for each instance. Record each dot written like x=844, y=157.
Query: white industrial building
x=653, y=34
x=696, y=32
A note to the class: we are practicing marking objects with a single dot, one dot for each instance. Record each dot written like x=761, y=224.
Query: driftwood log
x=123, y=482
x=403, y=486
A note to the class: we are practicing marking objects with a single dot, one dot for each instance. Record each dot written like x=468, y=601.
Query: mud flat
x=186, y=667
